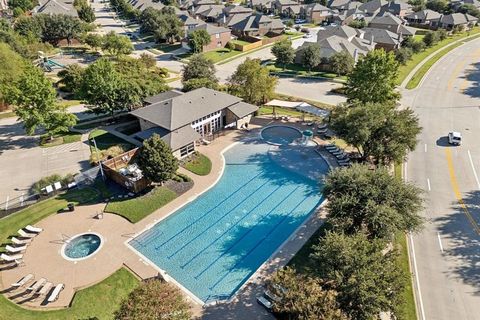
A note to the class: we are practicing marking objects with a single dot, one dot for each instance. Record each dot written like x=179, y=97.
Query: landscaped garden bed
x=63, y=138
x=198, y=163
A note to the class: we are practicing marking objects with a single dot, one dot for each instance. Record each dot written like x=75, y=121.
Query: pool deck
x=43, y=259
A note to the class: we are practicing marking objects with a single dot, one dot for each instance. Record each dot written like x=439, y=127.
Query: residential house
x=56, y=7
x=219, y=36
x=189, y=23
x=288, y=8
x=337, y=39
x=398, y=8
x=233, y=14
x=383, y=38
x=392, y=23
x=183, y=119
x=233, y=9
x=257, y=25
x=340, y=5
x=207, y=12
x=348, y=16
x=424, y=17
x=144, y=4
x=264, y=6
x=315, y=13
x=454, y=20
x=372, y=7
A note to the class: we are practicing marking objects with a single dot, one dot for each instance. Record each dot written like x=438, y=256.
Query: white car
x=265, y=303
x=455, y=138
x=307, y=36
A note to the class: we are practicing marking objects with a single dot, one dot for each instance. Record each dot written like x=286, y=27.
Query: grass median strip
x=418, y=76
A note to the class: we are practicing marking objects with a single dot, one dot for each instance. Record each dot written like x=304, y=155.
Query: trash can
x=71, y=207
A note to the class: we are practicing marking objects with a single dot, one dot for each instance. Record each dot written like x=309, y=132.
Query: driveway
x=23, y=162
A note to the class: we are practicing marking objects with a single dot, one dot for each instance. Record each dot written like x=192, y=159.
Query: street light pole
x=99, y=159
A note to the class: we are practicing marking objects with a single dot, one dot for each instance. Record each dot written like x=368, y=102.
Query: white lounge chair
x=15, y=249
x=23, y=281
x=37, y=285
x=11, y=258
x=24, y=234
x=56, y=292
x=46, y=288
x=20, y=242
x=33, y=229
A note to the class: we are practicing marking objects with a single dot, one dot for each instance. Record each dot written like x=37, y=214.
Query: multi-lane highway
x=446, y=254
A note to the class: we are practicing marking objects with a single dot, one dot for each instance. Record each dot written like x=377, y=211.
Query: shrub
x=50, y=180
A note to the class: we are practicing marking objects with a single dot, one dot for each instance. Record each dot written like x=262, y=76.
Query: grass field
x=105, y=140
x=405, y=70
x=136, y=209
x=299, y=70
x=221, y=54
x=198, y=164
x=167, y=47
x=64, y=138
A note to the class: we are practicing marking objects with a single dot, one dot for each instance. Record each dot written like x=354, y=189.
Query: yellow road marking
x=456, y=191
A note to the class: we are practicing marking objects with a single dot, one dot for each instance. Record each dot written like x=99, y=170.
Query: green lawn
x=221, y=54
x=404, y=70
x=408, y=306
x=240, y=42
x=64, y=138
x=99, y=301
x=198, y=164
x=167, y=47
x=299, y=70
x=264, y=110
x=136, y=209
x=106, y=140
x=418, y=76
x=69, y=103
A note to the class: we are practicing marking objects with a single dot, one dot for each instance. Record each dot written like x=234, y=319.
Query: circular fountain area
x=82, y=246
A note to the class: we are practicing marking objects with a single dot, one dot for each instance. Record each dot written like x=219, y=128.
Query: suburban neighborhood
x=239, y=159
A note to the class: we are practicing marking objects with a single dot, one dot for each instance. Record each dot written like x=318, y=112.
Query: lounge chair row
x=26, y=236
x=342, y=158
x=40, y=288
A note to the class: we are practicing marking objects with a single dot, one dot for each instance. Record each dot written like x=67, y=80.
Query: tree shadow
x=460, y=229
x=13, y=137
x=473, y=75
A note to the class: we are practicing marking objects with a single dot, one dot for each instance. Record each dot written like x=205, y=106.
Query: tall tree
x=437, y=5
x=379, y=131
x=116, y=45
x=342, y=62
x=311, y=57
x=367, y=278
x=252, y=82
x=303, y=297
x=154, y=299
x=94, y=40
x=374, y=78
x=12, y=66
x=284, y=52
x=156, y=160
x=164, y=24
x=71, y=77
x=25, y=5
x=198, y=39
x=85, y=11
x=199, y=71
x=35, y=103
x=371, y=201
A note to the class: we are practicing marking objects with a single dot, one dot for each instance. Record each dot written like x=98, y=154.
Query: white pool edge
x=62, y=249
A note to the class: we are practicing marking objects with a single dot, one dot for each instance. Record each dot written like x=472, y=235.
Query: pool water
x=82, y=246
x=212, y=245
x=280, y=135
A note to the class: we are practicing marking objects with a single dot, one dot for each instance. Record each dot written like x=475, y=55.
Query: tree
x=164, y=24
x=116, y=45
x=371, y=201
x=311, y=56
x=415, y=45
x=94, y=41
x=374, y=78
x=154, y=299
x=71, y=77
x=402, y=55
x=430, y=38
x=379, y=131
x=470, y=9
x=85, y=12
x=12, y=66
x=418, y=5
x=200, y=67
x=342, y=63
x=193, y=84
x=437, y=5
x=198, y=39
x=148, y=60
x=303, y=297
x=358, y=24
x=35, y=103
x=284, y=52
x=24, y=5
x=442, y=34
x=230, y=46
x=367, y=278
x=156, y=160
x=252, y=82
x=289, y=23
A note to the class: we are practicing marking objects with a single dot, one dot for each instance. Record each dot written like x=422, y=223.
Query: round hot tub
x=280, y=135
x=82, y=246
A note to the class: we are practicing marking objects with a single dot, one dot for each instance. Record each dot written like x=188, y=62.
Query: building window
x=219, y=43
x=217, y=35
x=186, y=150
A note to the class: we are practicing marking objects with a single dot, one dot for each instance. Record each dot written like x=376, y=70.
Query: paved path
x=446, y=255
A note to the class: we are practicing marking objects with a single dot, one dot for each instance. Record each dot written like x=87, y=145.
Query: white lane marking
x=440, y=242
x=428, y=185
x=417, y=281
x=473, y=168
x=425, y=147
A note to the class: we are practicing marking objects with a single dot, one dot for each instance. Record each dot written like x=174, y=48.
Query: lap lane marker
x=456, y=191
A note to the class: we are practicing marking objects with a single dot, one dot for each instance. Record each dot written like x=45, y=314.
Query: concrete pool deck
x=43, y=258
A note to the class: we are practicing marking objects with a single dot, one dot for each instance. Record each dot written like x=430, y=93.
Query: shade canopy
x=300, y=106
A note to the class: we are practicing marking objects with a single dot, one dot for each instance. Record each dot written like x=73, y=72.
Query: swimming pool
x=280, y=135
x=212, y=245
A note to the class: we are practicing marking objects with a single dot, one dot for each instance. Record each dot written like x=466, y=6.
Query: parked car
x=300, y=21
x=455, y=138
x=264, y=302
x=307, y=35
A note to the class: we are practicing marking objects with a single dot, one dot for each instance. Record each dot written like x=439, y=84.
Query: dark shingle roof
x=163, y=96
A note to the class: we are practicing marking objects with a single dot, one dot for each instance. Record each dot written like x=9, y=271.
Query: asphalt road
x=446, y=254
